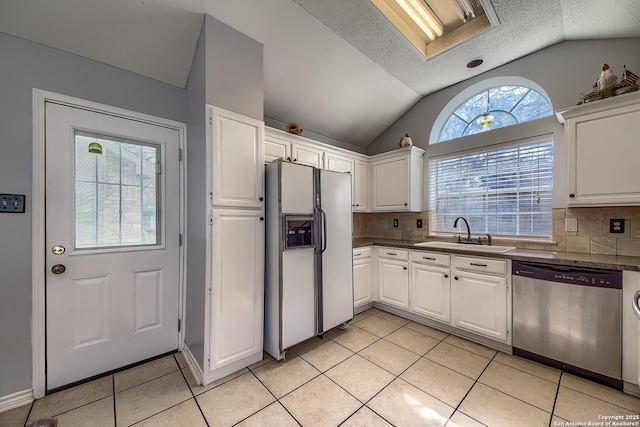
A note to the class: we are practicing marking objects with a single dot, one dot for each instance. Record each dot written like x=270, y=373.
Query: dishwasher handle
x=636, y=309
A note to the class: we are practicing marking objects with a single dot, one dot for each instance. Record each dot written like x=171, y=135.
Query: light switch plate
x=12, y=203
x=570, y=224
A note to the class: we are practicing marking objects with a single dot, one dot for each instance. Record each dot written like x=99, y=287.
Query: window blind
x=503, y=190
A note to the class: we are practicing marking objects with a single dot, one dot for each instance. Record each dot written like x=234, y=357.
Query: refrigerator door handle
x=324, y=231
x=636, y=309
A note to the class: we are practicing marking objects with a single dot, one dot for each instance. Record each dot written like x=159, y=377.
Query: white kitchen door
x=112, y=242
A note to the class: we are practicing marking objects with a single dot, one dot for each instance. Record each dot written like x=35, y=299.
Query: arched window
x=501, y=186
x=491, y=106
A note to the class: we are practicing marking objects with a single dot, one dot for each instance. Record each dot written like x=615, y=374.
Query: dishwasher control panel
x=566, y=274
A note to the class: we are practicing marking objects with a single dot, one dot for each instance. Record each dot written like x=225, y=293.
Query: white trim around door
x=38, y=217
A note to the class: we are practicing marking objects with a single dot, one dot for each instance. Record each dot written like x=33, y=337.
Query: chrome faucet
x=455, y=225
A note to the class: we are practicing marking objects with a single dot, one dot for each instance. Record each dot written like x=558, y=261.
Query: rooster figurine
x=606, y=81
x=406, y=141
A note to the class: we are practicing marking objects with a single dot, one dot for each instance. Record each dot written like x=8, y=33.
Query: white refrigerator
x=308, y=261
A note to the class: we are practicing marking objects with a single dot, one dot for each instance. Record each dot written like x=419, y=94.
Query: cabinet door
x=238, y=160
x=602, y=153
x=276, y=149
x=306, y=155
x=479, y=304
x=361, y=282
x=393, y=278
x=337, y=163
x=236, y=306
x=431, y=292
x=391, y=184
x=361, y=186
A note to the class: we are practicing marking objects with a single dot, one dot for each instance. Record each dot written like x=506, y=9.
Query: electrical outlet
x=571, y=224
x=13, y=203
x=395, y=223
x=616, y=225
x=419, y=223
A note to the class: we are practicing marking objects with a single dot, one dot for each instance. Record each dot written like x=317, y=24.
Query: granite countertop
x=563, y=258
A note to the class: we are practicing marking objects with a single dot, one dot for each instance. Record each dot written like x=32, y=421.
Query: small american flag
x=629, y=78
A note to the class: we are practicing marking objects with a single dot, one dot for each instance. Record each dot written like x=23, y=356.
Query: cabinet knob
x=405, y=204
x=261, y=198
x=572, y=195
x=261, y=218
x=295, y=160
x=446, y=276
x=404, y=268
x=456, y=277
x=288, y=159
x=357, y=204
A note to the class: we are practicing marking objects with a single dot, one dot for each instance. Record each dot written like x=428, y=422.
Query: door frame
x=38, y=242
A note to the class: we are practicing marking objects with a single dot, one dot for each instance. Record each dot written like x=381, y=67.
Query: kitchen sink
x=494, y=249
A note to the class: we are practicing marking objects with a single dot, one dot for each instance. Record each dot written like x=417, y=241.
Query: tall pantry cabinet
x=234, y=307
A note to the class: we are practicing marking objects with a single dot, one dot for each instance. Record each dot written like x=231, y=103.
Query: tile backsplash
x=592, y=235
x=380, y=225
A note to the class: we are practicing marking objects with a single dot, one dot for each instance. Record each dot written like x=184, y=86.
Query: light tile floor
x=382, y=370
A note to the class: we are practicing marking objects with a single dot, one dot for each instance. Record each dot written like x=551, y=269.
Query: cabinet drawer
x=360, y=253
x=392, y=253
x=481, y=265
x=431, y=258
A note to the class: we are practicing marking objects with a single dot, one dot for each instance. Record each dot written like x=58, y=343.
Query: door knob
x=58, y=269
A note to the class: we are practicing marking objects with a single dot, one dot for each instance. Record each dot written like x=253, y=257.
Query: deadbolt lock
x=58, y=249
x=58, y=269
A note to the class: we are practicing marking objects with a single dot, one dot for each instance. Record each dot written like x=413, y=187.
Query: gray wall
x=197, y=204
x=564, y=71
x=24, y=66
x=226, y=72
x=234, y=70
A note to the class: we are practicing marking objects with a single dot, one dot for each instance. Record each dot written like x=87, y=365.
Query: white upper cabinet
x=237, y=161
x=306, y=155
x=298, y=149
x=338, y=163
x=361, y=194
x=602, y=151
x=397, y=180
x=276, y=148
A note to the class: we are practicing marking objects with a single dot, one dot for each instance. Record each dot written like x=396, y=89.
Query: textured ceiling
x=334, y=66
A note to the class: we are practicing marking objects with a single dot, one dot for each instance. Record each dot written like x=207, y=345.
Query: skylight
x=434, y=26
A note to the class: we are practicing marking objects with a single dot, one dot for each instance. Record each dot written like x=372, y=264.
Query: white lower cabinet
x=393, y=277
x=431, y=286
x=472, y=294
x=361, y=276
x=481, y=303
x=236, y=300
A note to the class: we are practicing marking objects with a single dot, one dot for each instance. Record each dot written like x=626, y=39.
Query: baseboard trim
x=507, y=348
x=192, y=364
x=16, y=400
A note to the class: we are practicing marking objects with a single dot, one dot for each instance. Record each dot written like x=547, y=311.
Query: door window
x=116, y=192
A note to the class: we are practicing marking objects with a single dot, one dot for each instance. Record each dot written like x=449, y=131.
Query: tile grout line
x=471, y=388
x=555, y=400
x=194, y=397
x=29, y=413
x=113, y=394
x=274, y=396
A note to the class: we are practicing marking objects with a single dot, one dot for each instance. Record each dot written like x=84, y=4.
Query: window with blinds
x=504, y=190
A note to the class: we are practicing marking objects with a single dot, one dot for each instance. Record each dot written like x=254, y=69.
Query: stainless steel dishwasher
x=569, y=318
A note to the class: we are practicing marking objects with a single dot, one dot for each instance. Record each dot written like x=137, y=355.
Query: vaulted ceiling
x=336, y=67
